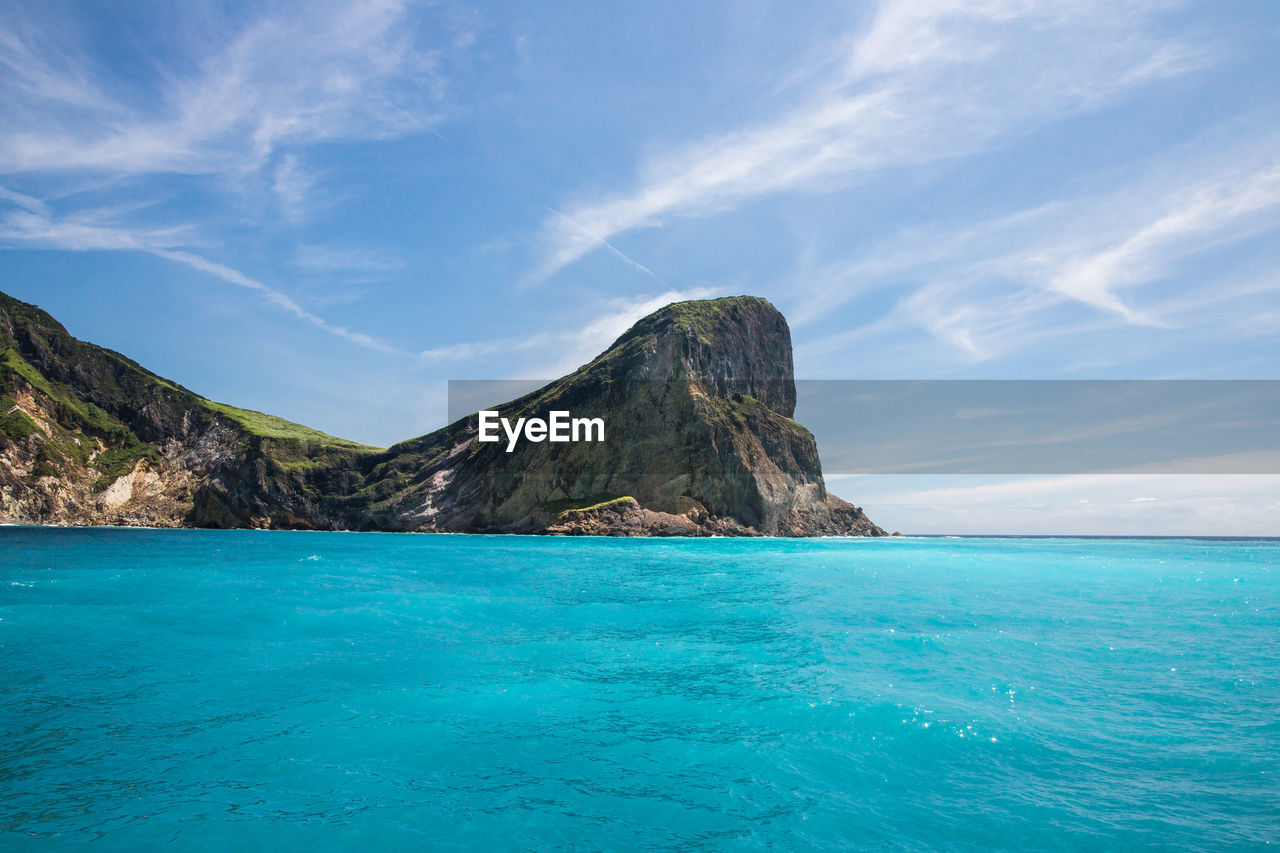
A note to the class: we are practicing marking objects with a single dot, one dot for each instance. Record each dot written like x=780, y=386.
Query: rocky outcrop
x=625, y=517
x=698, y=401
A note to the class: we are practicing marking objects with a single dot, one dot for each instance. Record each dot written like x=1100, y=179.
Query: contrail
x=612, y=248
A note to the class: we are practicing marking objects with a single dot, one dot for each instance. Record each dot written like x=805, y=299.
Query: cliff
x=88, y=436
x=697, y=399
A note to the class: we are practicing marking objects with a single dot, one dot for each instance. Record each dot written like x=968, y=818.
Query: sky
x=326, y=210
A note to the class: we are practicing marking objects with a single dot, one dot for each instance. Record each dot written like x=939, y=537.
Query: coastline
x=907, y=537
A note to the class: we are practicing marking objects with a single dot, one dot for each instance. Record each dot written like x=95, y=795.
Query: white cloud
x=331, y=259
x=1212, y=212
x=339, y=71
x=469, y=351
x=586, y=233
x=38, y=70
x=926, y=80
x=26, y=229
x=235, y=100
x=275, y=297
x=992, y=288
x=83, y=233
x=292, y=186
x=569, y=349
x=28, y=203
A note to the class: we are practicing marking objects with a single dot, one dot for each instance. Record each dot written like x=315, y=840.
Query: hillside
x=698, y=398
x=88, y=436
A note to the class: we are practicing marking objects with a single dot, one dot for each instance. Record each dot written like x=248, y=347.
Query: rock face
x=88, y=436
x=697, y=401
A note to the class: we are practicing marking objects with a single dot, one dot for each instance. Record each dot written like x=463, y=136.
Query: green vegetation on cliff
x=112, y=381
x=585, y=504
x=85, y=415
x=76, y=431
x=270, y=426
x=703, y=317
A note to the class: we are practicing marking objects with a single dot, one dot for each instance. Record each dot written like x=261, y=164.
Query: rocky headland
x=698, y=400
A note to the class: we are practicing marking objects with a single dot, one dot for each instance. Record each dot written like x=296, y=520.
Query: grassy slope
x=82, y=427
x=81, y=432
x=270, y=426
x=571, y=505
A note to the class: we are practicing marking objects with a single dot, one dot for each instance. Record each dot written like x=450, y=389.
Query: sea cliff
x=699, y=400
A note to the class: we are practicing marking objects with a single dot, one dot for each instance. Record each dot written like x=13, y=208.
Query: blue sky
x=325, y=210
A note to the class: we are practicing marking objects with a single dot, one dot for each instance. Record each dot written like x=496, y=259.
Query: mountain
x=696, y=400
x=88, y=436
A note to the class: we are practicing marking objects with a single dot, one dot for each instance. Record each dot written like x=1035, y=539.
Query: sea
x=245, y=690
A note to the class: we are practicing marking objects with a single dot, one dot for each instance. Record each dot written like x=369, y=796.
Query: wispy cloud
x=569, y=349
x=83, y=233
x=231, y=100
x=26, y=202
x=30, y=229
x=473, y=350
x=339, y=71
x=292, y=185
x=586, y=232
x=989, y=288
x=925, y=80
x=275, y=297
x=343, y=260
x=1213, y=212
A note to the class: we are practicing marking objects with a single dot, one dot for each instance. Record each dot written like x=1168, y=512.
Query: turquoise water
x=266, y=691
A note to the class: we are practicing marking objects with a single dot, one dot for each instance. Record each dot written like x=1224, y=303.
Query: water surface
x=210, y=690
